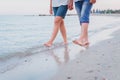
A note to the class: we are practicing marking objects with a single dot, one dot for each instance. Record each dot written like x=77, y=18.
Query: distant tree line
x=108, y=11
x=94, y=11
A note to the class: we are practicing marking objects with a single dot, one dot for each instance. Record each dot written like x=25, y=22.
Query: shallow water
x=19, y=33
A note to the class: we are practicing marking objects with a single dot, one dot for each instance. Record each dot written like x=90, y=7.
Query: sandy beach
x=68, y=62
x=99, y=62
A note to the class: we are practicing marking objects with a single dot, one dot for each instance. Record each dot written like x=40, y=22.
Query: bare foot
x=48, y=44
x=81, y=43
x=78, y=42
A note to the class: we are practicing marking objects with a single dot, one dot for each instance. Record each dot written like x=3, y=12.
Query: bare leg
x=83, y=39
x=84, y=33
x=63, y=32
x=56, y=28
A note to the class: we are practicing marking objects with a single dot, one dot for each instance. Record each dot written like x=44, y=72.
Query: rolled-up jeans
x=83, y=9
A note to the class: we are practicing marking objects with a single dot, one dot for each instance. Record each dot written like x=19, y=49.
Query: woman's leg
x=60, y=13
x=85, y=14
x=84, y=21
x=84, y=33
x=57, y=24
x=63, y=31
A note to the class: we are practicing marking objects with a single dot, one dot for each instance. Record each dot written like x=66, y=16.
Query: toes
x=77, y=42
x=47, y=44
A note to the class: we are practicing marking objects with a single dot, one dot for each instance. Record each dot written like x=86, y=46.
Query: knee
x=57, y=20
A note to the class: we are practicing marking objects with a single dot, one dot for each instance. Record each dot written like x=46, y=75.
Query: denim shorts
x=83, y=9
x=60, y=11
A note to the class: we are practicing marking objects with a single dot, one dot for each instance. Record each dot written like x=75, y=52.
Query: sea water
x=19, y=33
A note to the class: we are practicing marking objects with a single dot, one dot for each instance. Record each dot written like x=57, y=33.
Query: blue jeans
x=83, y=9
x=60, y=11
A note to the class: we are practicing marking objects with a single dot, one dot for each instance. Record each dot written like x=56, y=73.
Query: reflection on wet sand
x=37, y=62
x=57, y=58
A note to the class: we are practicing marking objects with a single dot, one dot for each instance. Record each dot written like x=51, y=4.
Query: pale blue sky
x=42, y=6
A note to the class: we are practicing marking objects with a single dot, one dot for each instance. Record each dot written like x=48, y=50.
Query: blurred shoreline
x=93, y=14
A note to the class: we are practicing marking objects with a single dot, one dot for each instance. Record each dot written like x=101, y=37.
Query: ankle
x=50, y=41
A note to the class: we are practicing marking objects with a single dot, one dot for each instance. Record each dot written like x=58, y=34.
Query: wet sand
x=67, y=62
x=99, y=62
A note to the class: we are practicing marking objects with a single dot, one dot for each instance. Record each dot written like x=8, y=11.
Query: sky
x=35, y=7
